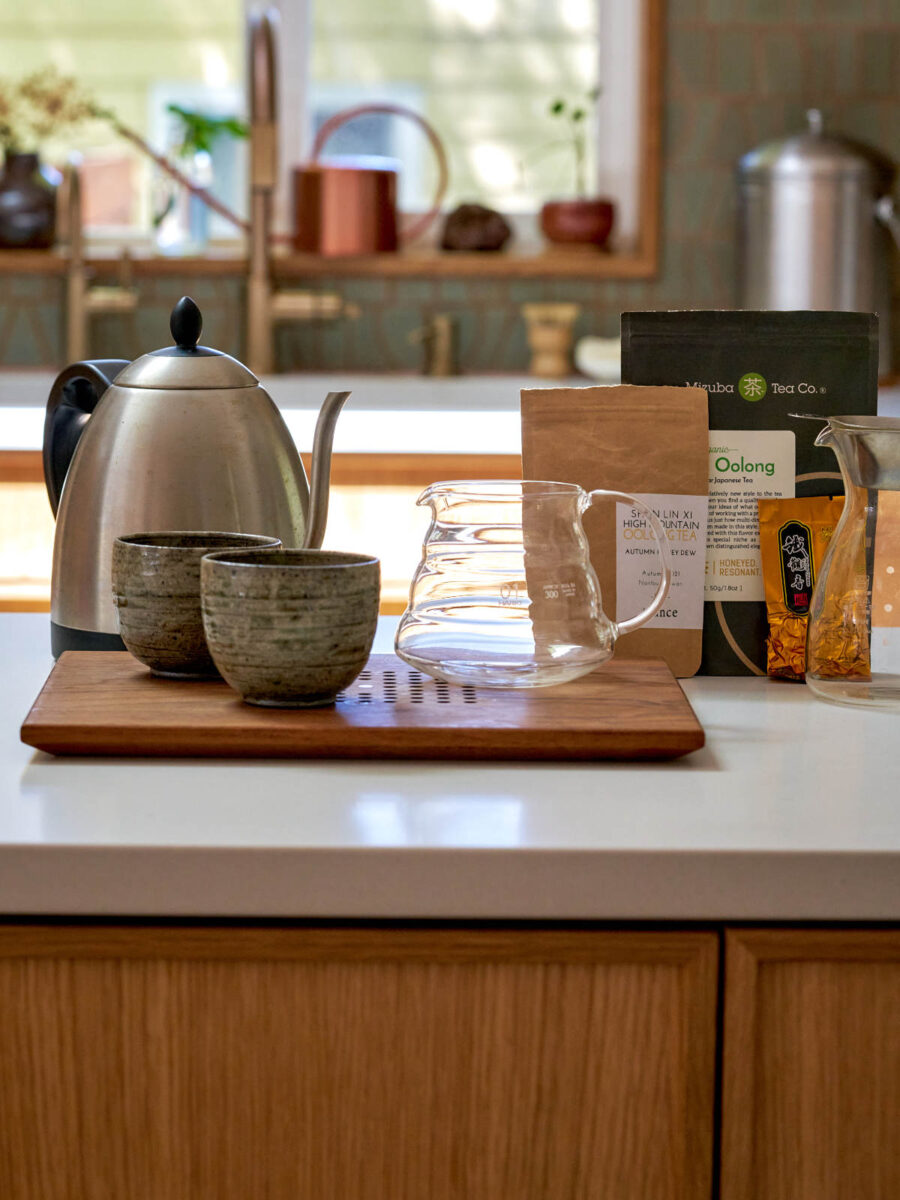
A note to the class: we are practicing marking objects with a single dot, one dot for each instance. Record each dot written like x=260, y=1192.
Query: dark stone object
x=474, y=227
x=27, y=204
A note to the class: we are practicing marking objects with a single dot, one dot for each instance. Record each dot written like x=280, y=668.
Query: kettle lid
x=817, y=153
x=186, y=365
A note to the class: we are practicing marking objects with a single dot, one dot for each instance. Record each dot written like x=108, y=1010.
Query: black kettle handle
x=75, y=394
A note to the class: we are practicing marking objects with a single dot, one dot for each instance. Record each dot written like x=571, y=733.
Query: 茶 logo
x=752, y=386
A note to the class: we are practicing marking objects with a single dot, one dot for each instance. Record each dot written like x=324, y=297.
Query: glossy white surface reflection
x=386, y=414
x=396, y=820
x=791, y=811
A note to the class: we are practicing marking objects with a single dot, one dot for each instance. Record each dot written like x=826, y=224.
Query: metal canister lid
x=186, y=365
x=815, y=153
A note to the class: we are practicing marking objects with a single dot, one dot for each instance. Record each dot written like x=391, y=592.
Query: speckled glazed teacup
x=290, y=628
x=156, y=589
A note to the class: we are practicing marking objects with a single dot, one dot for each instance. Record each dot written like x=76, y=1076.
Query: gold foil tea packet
x=793, y=538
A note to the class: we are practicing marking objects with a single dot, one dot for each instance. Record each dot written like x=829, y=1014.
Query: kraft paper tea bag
x=757, y=368
x=651, y=442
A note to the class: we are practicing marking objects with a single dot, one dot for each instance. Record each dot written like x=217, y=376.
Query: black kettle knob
x=186, y=322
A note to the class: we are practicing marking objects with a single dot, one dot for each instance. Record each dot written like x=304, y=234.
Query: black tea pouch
x=757, y=368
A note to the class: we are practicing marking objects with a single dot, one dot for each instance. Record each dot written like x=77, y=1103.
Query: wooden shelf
x=32, y=262
x=578, y=263
x=583, y=263
x=106, y=263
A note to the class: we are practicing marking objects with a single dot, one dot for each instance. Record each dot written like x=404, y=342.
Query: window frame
x=632, y=104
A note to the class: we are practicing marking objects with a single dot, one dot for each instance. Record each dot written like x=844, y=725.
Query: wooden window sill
x=575, y=263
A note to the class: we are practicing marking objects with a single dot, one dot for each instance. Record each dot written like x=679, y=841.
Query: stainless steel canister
x=814, y=212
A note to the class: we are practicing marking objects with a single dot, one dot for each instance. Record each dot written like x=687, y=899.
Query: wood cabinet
x=384, y=1064
x=811, y=1072
x=375, y=1063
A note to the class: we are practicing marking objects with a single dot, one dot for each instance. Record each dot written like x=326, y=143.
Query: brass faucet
x=440, y=341
x=266, y=303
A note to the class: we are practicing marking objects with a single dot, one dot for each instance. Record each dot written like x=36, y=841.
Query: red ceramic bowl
x=578, y=221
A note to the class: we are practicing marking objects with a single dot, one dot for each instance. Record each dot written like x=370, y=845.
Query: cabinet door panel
x=811, y=1095
x=373, y=1064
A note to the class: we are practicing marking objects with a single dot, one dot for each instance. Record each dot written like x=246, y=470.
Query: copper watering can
x=349, y=205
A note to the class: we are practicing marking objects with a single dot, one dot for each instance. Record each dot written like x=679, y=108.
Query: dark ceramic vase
x=27, y=204
x=581, y=222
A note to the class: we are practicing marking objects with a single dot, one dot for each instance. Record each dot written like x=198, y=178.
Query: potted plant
x=181, y=218
x=38, y=106
x=582, y=219
x=46, y=104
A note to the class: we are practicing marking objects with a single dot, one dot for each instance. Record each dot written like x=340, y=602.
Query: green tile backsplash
x=738, y=72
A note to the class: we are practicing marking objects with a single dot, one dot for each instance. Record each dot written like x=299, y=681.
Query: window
x=133, y=59
x=483, y=72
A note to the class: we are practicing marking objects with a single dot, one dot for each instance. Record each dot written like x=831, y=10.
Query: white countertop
x=386, y=414
x=791, y=811
x=397, y=414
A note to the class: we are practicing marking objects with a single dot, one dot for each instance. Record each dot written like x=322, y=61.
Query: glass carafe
x=505, y=595
x=853, y=647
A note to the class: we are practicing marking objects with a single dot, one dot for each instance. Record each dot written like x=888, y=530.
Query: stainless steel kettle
x=814, y=212
x=181, y=438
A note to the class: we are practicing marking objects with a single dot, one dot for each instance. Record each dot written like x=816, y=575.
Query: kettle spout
x=320, y=476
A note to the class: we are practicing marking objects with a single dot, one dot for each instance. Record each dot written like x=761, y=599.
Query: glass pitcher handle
x=662, y=546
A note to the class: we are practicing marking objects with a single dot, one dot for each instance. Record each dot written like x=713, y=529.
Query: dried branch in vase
x=46, y=104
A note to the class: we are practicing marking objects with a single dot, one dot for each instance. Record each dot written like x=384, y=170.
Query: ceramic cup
x=290, y=628
x=156, y=589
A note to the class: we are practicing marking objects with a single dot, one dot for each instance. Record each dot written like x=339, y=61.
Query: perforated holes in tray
x=390, y=687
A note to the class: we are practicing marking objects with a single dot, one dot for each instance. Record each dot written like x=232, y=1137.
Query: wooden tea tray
x=107, y=703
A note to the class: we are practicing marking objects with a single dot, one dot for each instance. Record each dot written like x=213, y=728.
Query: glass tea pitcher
x=853, y=643
x=505, y=595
